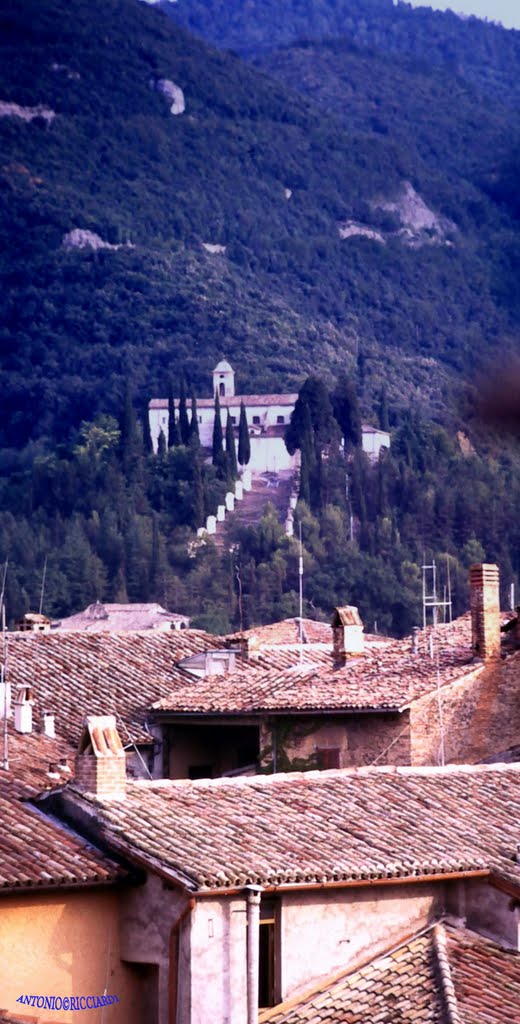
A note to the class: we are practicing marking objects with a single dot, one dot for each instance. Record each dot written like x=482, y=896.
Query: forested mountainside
x=331, y=209
x=482, y=53
x=251, y=166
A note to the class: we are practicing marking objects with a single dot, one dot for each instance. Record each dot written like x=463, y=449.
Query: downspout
x=253, y=893
x=173, y=961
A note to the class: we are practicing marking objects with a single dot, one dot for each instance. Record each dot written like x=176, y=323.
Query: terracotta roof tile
x=232, y=400
x=445, y=976
x=386, y=677
x=366, y=824
x=99, y=617
x=75, y=674
x=35, y=850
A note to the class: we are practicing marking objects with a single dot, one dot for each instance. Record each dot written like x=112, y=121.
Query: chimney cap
x=348, y=615
x=100, y=737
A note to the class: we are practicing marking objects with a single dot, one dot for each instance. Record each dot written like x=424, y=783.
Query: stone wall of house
x=359, y=739
x=480, y=716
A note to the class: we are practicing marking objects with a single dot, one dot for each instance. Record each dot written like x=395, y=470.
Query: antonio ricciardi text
x=67, y=1002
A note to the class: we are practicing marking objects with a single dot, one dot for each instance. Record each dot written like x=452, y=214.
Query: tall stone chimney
x=484, y=589
x=347, y=634
x=100, y=760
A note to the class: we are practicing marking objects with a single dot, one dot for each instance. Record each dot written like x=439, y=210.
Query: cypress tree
x=194, y=423
x=173, y=430
x=161, y=443
x=346, y=411
x=147, y=437
x=231, y=454
x=244, y=442
x=130, y=441
x=218, y=455
x=383, y=411
x=184, y=423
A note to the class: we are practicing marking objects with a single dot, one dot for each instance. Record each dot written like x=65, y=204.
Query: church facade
x=267, y=418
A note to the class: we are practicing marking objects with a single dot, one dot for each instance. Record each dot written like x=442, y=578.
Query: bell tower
x=224, y=379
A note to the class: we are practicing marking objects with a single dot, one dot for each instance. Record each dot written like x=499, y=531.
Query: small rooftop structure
x=33, y=622
x=100, y=617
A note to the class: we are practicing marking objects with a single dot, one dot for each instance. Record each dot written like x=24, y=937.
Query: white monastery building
x=267, y=417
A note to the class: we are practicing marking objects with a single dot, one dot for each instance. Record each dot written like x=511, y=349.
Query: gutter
x=355, y=883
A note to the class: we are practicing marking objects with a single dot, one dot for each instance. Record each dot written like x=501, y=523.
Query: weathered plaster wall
x=218, y=978
x=486, y=910
x=66, y=944
x=148, y=914
x=481, y=716
x=361, y=739
x=322, y=932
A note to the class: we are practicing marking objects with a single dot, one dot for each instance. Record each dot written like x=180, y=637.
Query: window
x=234, y=420
x=200, y=771
x=222, y=389
x=256, y=419
x=280, y=419
x=268, y=969
x=327, y=757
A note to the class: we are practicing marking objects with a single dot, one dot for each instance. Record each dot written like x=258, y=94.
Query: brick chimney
x=100, y=760
x=347, y=632
x=485, y=610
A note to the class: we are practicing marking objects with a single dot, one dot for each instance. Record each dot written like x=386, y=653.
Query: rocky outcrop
x=27, y=113
x=78, y=238
x=174, y=93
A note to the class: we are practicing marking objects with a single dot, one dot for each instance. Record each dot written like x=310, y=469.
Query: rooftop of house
x=76, y=673
x=287, y=633
x=340, y=826
x=38, y=851
x=233, y=400
x=387, y=676
x=445, y=975
x=115, y=617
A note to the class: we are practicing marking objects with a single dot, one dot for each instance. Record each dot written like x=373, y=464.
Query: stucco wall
x=66, y=945
x=218, y=979
x=486, y=910
x=148, y=914
x=322, y=932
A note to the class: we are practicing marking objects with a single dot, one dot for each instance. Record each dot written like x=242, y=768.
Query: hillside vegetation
x=339, y=205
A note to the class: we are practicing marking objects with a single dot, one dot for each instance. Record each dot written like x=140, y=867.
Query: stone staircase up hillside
x=275, y=488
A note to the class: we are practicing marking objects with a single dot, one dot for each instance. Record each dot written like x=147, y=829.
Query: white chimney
x=347, y=632
x=48, y=725
x=23, y=703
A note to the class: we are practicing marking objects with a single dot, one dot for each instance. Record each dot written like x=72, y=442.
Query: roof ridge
x=440, y=946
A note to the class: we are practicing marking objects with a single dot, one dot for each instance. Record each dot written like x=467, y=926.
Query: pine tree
x=184, y=423
x=194, y=423
x=244, y=442
x=173, y=430
x=218, y=454
x=231, y=454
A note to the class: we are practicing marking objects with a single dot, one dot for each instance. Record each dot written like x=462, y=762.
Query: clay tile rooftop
x=73, y=674
x=37, y=851
x=326, y=827
x=445, y=975
x=388, y=675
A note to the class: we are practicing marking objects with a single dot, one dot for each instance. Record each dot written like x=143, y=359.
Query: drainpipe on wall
x=253, y=893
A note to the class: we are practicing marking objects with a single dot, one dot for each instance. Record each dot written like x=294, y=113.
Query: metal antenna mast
x=43, y=584
x=300, y=574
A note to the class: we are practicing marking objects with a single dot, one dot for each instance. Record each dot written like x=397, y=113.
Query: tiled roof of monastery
x=37, y=851
x=227, y=400
x=385, y=677
x=446, y=976
x=74, y=674
x=101, y=617
x=320, y=827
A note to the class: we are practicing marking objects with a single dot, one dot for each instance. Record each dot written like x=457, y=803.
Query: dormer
x=347, y=632
x=224, y=379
